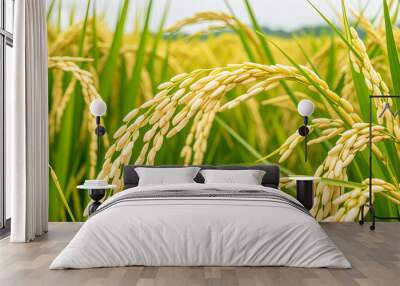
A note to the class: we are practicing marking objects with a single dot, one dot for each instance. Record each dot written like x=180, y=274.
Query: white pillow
x=166, y=176
x=247, y=177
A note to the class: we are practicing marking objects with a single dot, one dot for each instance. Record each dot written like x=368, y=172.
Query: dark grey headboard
x=270, y=179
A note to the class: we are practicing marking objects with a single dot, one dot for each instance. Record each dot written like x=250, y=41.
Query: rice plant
x=226, y=94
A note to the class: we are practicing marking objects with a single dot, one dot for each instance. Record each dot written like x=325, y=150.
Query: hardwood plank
x=375, y=257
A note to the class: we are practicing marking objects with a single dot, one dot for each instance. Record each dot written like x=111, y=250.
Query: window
x=6, y=44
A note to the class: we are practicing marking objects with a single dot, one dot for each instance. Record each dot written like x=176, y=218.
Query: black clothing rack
x=370, y=202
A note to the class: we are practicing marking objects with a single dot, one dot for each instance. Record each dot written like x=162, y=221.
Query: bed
x=201, y=224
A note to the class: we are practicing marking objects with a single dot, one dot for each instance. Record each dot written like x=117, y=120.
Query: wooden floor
x=375, y=257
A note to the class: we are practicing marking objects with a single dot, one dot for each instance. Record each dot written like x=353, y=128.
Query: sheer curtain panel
x=26, y=121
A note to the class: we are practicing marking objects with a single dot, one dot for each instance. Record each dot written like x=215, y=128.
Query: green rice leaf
x=165, y=64
x=335, y=29
x=83, y=33
x=341, y=183
x=95, y=51
x=331, y=72
x=307, y=58
x=267, y=50
x=50, y=10
x=106, y=75
x=301, y=70
x=392, y=50
x=72, y=15
x=245, y=44
x=133, y=84
x=241, y=34
x=257, y=27
x=362, y=93
x=157, y=40
x=59, y=16
x=361, y=88
x=396, y=13
x=245, y=144
x=340, y=83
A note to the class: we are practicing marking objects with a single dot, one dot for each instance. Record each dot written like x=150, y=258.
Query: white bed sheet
x=202, y=232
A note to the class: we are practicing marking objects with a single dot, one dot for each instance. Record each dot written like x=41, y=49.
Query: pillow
x=248, y=177
x=166, y=176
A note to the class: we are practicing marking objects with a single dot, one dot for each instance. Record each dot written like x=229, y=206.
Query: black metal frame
x=100, y=131
x=97, y=194
x=303, y=131
x=370, y=202
x=6, y=39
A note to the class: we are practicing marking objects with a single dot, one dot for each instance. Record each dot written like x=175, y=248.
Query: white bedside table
x=304, y=187
x=96, y=193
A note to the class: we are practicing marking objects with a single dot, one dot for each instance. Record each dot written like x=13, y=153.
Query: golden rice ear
x=202, y=103
x=205, y=99
x=89, y=93
x=335, y=166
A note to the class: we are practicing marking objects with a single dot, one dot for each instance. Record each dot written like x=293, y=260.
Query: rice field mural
x=226, y=94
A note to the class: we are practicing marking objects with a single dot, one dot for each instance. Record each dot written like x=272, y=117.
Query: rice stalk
x=229, y=20
x=178, y=120
x=89, y=92
x=335, y=165
x=61, y=193
x=376, y=85
x=350, y=204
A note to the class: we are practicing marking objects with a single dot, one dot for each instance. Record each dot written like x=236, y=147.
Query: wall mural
x=224, y=93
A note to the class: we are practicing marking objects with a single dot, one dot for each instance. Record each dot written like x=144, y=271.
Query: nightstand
x=304, y=186
x=96, y=193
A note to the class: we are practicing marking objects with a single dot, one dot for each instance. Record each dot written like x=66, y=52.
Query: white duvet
x=200, y=231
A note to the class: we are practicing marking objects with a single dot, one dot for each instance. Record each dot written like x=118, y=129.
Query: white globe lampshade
x=305, y=107
x=98, y=107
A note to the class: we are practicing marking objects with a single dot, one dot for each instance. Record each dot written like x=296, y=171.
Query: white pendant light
x=305, y=107
x=98, y=107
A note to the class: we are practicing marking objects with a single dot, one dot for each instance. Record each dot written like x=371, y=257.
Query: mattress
x=201, y=225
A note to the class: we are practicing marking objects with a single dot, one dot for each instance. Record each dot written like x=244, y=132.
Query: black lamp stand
x=100, y=131
x=303, y=131
x=97, y=194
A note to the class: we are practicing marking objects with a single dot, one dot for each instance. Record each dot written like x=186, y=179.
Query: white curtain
x=26, y=124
